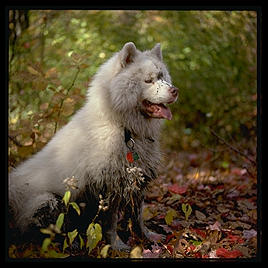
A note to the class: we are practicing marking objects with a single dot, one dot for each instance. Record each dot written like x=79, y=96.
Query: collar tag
x=130, y=143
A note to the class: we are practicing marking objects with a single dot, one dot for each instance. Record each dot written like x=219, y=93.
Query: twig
x=232, y=147
x=61, y=104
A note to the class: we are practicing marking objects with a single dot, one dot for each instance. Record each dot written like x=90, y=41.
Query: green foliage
x=75, y=207
x=66, y=197
x=187, y=210
x=60, y=220
x=49, y=248
x=72, y=235
x=104, y=251
x=211, y=56
x=170, y=216
x=94, y=235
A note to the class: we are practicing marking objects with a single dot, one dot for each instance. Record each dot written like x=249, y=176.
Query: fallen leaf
x=104, y=251
x=238, y=171
x=222, y=252
x=174, y=198
x=136, y=252
x=147, y=253
x=170, y=215
x=212, y=254
x=235, y=238
x=248, y=234
x=155, y=237
x=147, y=214
x=215, y=226
x=199, y=215
x=176, y=189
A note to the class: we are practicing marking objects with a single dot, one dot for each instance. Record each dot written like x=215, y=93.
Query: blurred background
x=211, y=56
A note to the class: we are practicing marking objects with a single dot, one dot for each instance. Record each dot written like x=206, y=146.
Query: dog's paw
x=118, y=244
x=154, y=237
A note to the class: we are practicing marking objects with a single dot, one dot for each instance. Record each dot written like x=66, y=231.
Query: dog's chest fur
x=114, y=178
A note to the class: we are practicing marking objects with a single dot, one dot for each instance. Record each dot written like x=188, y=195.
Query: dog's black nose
x=174, y=91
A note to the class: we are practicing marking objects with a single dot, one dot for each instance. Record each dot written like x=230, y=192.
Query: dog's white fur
x=91, y=146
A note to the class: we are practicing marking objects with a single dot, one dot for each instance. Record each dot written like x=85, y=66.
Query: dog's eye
x=159, y=76
x=148, y=81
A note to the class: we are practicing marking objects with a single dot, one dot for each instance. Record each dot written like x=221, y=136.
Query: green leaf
x=54, y=254
x=225, y=164
x=46, y=231
x=170, y=215
x=46, y=243
x=187, y=209
x=66, y=197
x=72, y=235
x=76, y=207
x=60, y=220
x=65, y=244
x=94, y=235
x=82, y=243
x=104, y=251
x=195, y=242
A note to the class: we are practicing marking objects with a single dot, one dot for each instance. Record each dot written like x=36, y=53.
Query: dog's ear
x=157, y=51
x=127, y=54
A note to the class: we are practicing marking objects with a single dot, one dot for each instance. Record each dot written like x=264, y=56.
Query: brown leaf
x=44, y=106
x=199, y=215
x=68, y=107
x=51, y=73
x=147, y=214
x=31, y=70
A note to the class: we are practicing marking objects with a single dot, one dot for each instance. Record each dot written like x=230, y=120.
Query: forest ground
x=200, y=206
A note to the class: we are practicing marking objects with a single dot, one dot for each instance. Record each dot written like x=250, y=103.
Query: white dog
x=110, y=145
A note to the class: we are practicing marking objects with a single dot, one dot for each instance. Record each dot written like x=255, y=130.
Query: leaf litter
x=205, y=210
x=196, y=209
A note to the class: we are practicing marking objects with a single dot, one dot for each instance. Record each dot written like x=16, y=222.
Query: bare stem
x=61, y=104
x=232, y=147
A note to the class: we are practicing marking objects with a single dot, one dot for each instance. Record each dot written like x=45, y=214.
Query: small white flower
x=71, y=183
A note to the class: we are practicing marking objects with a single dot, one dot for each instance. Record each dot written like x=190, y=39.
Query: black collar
x=128, y=136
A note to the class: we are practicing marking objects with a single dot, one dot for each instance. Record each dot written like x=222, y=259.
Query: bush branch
x=232, y=147
x=61, y=104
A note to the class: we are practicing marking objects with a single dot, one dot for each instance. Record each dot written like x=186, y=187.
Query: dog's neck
x=129, y=136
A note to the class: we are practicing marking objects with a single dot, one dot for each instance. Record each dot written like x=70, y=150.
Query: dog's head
x=143, y=83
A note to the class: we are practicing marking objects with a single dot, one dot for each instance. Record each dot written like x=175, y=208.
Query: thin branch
x=61, y=104
x=232, y=147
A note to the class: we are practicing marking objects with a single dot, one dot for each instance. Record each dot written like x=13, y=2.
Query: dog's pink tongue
x=163, y=112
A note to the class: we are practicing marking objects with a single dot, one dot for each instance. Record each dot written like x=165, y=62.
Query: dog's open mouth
x=154, y=110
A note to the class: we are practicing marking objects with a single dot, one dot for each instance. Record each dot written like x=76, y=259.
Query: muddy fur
x=92, y=147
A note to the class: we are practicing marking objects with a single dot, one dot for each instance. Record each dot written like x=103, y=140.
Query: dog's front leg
x=138, y=225
x=110, y=219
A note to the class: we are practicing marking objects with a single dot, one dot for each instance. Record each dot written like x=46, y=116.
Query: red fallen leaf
x=238, y=171
x=235, y=238
x=170, y=248
x=222, y=252
x=160, y=216
x=192, y=247
x=168, y=237
x=199, y=232
x=175, y=188
x=197, y=255
x=220, y=186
